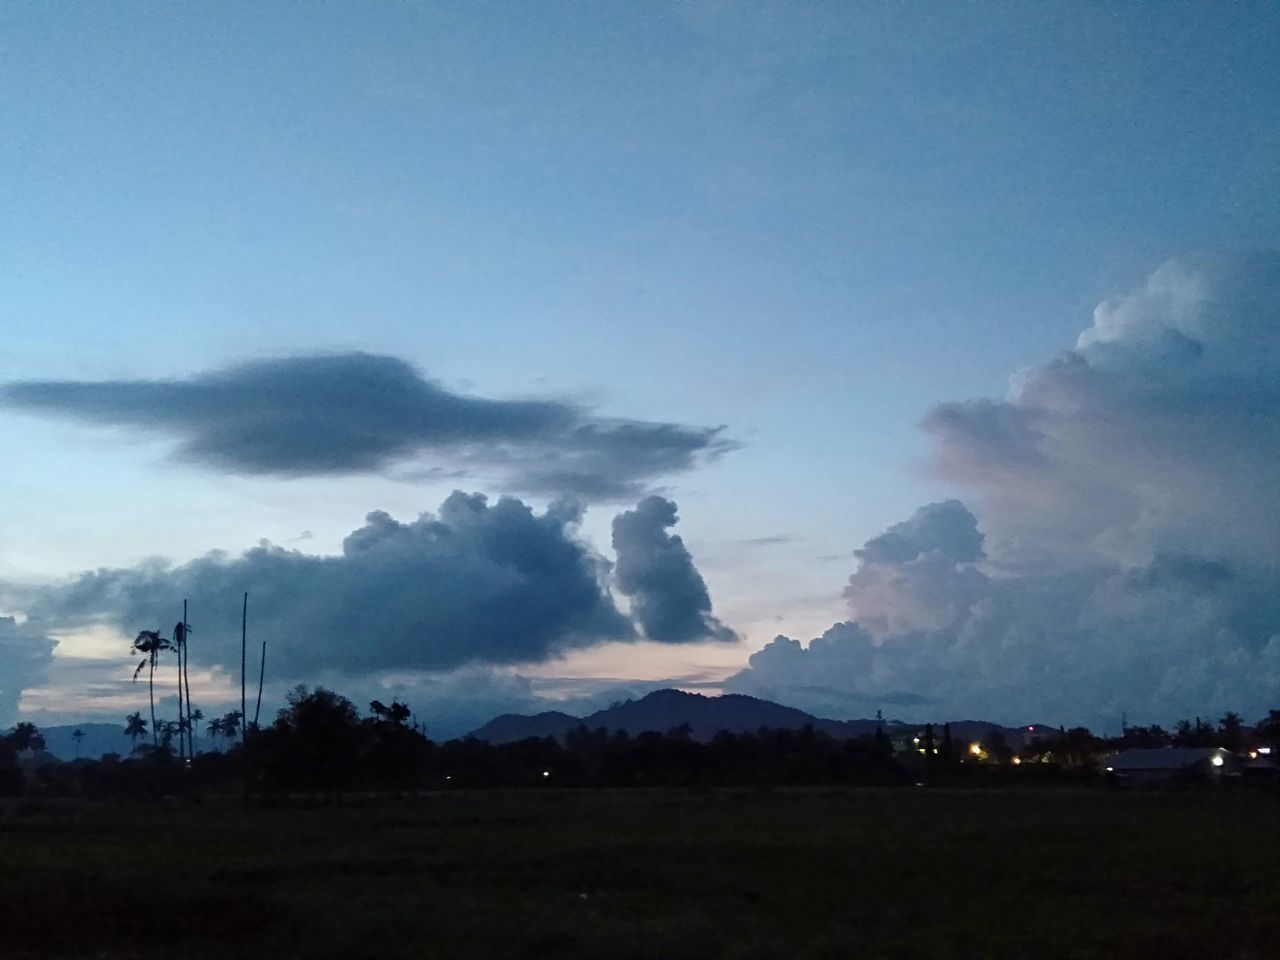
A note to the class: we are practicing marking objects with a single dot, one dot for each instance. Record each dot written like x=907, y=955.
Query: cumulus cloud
x=1157, y=434
x=473, y=583
x=360, y=413
x=25, y=654
x=443, y=599
x=668, y=596
x=1126, y=560
x=947, y=527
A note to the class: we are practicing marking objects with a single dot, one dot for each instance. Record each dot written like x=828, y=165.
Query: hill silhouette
x=706, y=716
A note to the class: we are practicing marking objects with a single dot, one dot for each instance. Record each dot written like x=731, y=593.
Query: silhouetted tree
x=149, y=644
x=196, y=716
x=135, y=727
x=78, y=737
x=26, y=736
x=315, y=741
x=214, y=729
x=231, y=724
x=882, y=741
x=1232, y=730
x=1182, y=733
x=168, y=730
x=996, y=746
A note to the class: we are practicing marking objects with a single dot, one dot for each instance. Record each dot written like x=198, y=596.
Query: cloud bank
x=473, y=584
x=669, y=598
x=360, y=413
x=1127, y=494
x=25, y=654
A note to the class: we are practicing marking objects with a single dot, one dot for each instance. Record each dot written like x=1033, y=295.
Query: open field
x=629, y=874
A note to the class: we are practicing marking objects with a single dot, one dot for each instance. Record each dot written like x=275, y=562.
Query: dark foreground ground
x=894, y=873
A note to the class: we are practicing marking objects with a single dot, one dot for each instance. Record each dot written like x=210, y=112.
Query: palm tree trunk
x=151, y=692
x=244, y=627
x=186, y=674
x=262, y=675
x=182, y=744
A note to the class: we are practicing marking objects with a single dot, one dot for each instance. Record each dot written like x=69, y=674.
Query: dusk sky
x=912, y=357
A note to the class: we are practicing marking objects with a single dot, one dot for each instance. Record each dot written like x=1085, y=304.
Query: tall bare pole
x=186, y=679
x=262, y=675
x=244, y=628
x=179, y=641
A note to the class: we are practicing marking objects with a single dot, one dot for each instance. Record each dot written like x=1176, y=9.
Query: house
x=1170, y=764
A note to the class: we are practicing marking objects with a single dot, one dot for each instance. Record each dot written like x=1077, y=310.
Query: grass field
x=893, y=873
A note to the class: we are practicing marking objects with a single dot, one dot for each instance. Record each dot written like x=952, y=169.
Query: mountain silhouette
x=665, y=710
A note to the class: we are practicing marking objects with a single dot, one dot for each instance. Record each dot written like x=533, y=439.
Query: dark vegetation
x=747, y=873
x=319, y=746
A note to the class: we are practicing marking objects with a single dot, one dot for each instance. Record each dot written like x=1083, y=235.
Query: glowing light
x=915, y=740
x=1217, y=761
x=1017, y=761
x=976, y=749
x=546, y=773
x=1111, y=769
x=1264, y=750
x=1253, y=754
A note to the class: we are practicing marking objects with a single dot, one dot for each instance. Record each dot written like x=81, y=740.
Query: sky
x=523, y=354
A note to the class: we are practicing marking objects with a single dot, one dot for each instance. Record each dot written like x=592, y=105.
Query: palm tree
x=196, y=716
x=215, y=729
x=135, y=727
x=77, y=736
x=168, y=730
x=231, y=724
x=149, y=643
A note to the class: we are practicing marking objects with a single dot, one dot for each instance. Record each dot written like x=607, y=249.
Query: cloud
x=25, y=654
x=361, y=413
x=776, y=540
x=1126, y=559
x=474, y=583
x=1157, y=434
x=668, y=596
x=947, y=527
x=453, y=594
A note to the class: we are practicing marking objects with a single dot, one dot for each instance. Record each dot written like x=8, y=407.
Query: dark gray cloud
x=473, y=583
x=359, y=413
x=1126, y=563
x=668, y=596
x=431, y=606
x=25, y=654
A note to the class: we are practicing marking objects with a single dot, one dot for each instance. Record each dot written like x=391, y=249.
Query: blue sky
x=809, y=223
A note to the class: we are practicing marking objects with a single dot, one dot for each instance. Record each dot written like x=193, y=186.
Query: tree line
x=321, y=746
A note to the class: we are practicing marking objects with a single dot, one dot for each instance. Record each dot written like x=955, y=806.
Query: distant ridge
x=99, y=738
x=706, y=716
x=513, y=726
